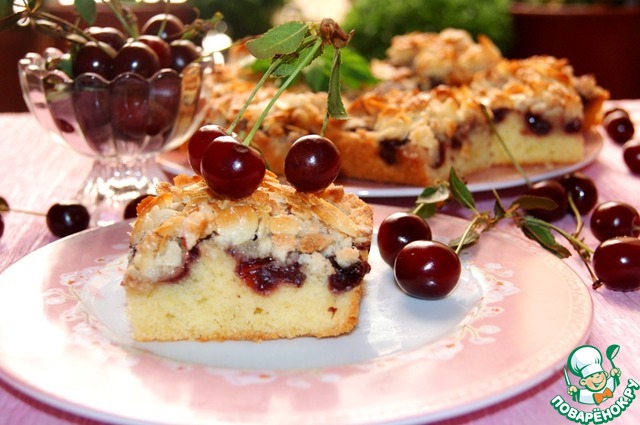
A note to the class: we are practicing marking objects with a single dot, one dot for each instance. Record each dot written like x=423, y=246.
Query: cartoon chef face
x=586, y=362
x=595, y=382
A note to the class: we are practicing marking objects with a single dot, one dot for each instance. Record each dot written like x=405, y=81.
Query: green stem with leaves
x=305, y=61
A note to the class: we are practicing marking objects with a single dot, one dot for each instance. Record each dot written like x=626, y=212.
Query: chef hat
x=585, y=360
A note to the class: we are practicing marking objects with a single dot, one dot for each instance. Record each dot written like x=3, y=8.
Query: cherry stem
x=466, y=233
x=504, y=145
x=576, y=214
x=116, y=8
x=305, y=61
x=260, y=83
x=17, y=210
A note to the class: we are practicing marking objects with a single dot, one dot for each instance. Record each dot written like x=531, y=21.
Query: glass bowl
x=123, y=124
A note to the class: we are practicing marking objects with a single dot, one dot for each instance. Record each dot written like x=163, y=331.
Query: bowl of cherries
x=120, y=97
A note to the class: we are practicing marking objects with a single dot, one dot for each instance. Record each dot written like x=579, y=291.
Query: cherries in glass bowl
x=122, y=122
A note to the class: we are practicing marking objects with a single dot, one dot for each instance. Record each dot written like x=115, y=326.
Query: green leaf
x=499, y=211
x=355, y=70
x=87, y=10
x=469, y=239
x=289, y=62
x=425, y=210
x=528, y=202
x=434, y=194
x=335, y=106
x=280, y=40
x=460, y=191
x=538, y=231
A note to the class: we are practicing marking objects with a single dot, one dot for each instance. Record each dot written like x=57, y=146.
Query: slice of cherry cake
x=276, y=264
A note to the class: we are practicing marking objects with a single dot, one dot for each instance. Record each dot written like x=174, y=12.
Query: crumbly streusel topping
x=276, y=221
x=449, y=57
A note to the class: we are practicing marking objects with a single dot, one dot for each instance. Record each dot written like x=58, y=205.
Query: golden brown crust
x=424, y=116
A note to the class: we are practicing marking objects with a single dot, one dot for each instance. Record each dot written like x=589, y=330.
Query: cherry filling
x=537, y=124
x=499, y=114
x=263, y=275
x=389, y=149
x=347, y=278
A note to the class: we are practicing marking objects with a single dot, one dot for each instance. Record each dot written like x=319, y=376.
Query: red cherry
x=631, y=155
x=399, y=229
x=200, y=141
x=109, y=35
x=160, y=47
x=164, y=25
x=312, y=163
x=231, y=169
x=427, y=269
x=183, y=52
x=616, y=262
x=136, y=57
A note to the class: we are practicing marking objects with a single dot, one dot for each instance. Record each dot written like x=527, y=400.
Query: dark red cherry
x=399, y=229
x=95, y=57
x=109, y=35
x=613, y=218
x=136, y=57
x=616, y=262
x=200, y=140
x=553, y=190
x=183, y=52
x=231, y=169
x=1, y=226
x=631, y=155
x=619, y=126
x=164, y=25
x=312, y=163
x=582, y=191
x=66, y=218
x=427, y=269
x=160, y=47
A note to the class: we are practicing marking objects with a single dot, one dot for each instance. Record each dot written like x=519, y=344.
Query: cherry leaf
x=434, y=194
x=334, y=100
x=538, y=231
x=289, y=62
x=281, y=40
x=469, y=239
x=460, y=191
x=87, y=10
x=528, y=202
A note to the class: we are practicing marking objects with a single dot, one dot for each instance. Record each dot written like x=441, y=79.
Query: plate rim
x=92, y=412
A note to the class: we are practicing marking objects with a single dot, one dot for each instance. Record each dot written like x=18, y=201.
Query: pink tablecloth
x=35, y=173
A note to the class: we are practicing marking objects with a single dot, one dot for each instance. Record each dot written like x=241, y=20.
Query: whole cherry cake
x=278, y=263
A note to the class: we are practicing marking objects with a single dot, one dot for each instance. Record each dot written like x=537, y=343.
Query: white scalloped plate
x=64, y=340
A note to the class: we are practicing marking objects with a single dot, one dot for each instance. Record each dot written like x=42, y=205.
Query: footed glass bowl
x=123, y=123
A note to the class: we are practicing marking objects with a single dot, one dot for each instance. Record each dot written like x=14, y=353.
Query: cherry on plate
x=399, y=229
x=427, y=269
